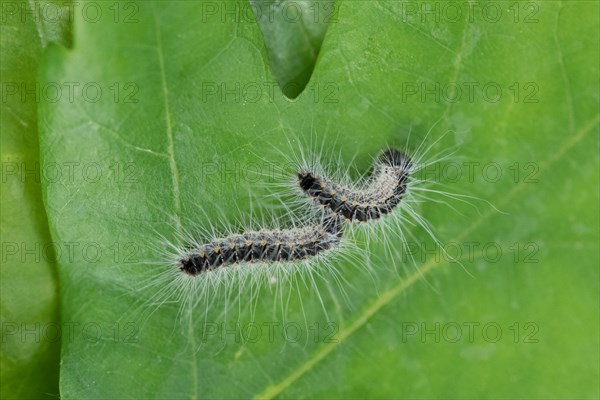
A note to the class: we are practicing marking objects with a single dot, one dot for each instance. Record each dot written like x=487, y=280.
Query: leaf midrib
x=176, y=193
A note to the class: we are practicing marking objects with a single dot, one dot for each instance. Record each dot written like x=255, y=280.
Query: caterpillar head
x=395, y=158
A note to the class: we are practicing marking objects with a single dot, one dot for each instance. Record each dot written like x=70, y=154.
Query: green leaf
x=29, y=363
x=205, y=113
x=293, y=32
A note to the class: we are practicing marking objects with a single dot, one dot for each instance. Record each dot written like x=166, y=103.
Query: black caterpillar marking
x=385, y=190
x=264, y=246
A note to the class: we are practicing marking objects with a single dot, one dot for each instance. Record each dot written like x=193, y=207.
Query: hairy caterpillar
x=382, y=206
x=218, y=264
x=262, y=246
x=378, y=197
